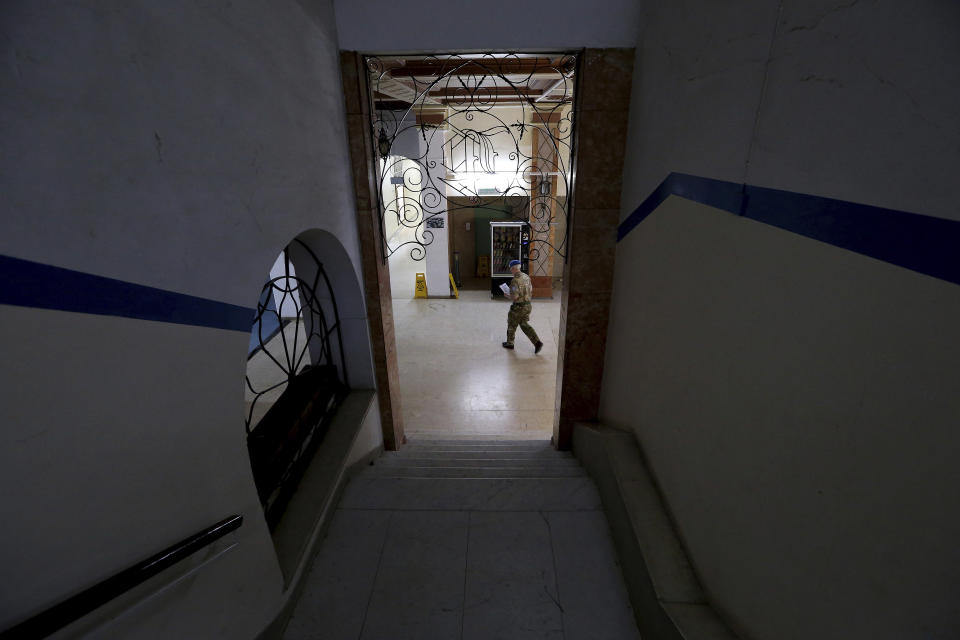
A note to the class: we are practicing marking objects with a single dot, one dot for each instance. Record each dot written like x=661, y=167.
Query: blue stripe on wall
x=921, y=243
x=30, y=284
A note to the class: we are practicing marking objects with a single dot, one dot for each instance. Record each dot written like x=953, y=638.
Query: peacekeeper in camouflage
x=519, y=315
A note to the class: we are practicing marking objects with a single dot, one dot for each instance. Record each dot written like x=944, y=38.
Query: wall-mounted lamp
x=383, y=144
x=544, y=188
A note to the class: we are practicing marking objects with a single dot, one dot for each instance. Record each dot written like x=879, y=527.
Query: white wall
x=350, y=307
x=406, y=260
x=434, y=25
x=403, y=126
x=434, y=200
x=846, y=102
x=797, y=402
x=288, y=305
x=120, y=438
x=406, y=150
x=369, y=437
x=798, y=405
x=182, y=146
x=697, y=82
x=508, y=152
x=861, y=104
x=183, y=138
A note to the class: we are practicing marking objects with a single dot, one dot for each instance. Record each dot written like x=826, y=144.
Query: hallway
x=467, y=539
x=457, y=381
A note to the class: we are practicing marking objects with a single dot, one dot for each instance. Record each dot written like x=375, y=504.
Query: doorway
x=464, y=141
x=603, y=78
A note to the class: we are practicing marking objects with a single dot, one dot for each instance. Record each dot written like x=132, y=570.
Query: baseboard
x=668, y=601
x=363, y=462
x=332, y=474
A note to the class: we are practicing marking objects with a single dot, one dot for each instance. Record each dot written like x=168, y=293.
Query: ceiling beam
x=399, y=90
x=475, y=66
x=487, y=91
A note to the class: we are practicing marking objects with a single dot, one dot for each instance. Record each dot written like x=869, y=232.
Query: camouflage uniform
x=519, y=312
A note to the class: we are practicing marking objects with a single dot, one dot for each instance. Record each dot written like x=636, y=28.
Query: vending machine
x=508, y=241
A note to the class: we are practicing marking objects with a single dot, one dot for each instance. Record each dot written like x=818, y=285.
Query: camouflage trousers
x=519, y=315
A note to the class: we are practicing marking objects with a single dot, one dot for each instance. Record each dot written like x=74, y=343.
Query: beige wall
x=179, y=146
x=798, y=403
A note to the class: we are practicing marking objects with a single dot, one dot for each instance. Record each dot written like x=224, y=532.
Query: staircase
x=477, y=459
x=467, y=539
x=478, y=475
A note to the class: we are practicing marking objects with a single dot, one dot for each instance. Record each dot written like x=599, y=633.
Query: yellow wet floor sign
x=421, y=286
x=456, y=294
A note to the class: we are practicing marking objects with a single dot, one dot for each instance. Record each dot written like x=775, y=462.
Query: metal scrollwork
x=296, y=376
x=480, y=131
x=292, y=332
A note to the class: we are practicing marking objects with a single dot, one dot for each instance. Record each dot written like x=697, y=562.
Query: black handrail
x=79, y=605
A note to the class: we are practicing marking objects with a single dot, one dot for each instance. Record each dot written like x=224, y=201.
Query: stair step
x=396, y=471
x=503, y=454
x=368, y=491
x=529, y=451
x=390, y=459
x=511, y=444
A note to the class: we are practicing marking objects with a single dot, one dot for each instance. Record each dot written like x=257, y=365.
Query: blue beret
x=513, y=262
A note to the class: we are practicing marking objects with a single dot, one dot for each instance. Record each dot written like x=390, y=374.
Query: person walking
x=520, y=291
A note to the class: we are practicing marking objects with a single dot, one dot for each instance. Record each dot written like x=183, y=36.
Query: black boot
x=537, y=347
x=508, y=345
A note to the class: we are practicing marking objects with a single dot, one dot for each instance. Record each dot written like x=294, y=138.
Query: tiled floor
x=427, y=554
x=456, y=380
x=476, y=529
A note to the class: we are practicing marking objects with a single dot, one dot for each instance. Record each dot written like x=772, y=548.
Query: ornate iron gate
x=296, y=377
x=485, y=131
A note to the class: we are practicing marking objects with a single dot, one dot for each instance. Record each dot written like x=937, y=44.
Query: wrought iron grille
x=485, y=131
x=296, y=376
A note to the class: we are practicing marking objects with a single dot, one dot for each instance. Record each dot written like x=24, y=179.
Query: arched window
x=296, y=374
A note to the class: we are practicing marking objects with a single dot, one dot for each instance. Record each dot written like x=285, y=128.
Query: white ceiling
x=383, y=26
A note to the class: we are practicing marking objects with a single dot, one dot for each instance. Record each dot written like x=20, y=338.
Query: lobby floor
x=457, y=381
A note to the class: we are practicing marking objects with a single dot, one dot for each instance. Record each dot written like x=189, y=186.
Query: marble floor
x=457, y=381
x=467, y=539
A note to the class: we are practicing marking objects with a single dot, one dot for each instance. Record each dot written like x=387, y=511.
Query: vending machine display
x=508, y=241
